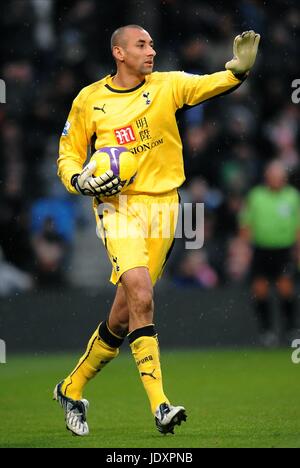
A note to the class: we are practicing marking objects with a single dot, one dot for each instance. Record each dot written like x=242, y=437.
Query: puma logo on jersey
x=149, y=373
x=100, y=108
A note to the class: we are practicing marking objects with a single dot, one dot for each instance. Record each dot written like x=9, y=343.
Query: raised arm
x=190, y=90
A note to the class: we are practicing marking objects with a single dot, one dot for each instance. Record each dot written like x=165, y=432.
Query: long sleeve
x=73, y=144
x=191, y=90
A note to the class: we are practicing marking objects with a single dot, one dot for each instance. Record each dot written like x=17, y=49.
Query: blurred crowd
x=53, y=48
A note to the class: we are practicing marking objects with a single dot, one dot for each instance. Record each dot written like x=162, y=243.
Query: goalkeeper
x=135, y=108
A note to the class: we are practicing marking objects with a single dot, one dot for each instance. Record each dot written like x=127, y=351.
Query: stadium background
x=50, y=253
x=53, y=270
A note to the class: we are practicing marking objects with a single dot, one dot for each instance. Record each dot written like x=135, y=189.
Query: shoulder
x=88, y=91
x=292, y=191
x=257, y=191
x=257, y=195
x=167, y=76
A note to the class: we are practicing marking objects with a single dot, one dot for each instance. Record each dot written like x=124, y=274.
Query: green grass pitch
x=240, y=398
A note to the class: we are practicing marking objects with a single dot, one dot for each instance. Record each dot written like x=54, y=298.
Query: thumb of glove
x=87, y=171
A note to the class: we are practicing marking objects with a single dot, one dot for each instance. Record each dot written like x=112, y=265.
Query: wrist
x=74, y=182
x=241, y=76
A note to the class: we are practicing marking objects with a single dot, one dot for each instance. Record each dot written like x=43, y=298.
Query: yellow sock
x=101, y=349
x=145, y=350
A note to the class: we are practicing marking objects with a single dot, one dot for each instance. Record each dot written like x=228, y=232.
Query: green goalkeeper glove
x=244, y=52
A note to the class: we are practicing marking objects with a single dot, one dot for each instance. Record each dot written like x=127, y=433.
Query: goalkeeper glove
x=244, y=52
x=105, y=185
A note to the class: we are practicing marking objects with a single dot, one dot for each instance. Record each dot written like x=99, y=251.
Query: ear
x=118, y=53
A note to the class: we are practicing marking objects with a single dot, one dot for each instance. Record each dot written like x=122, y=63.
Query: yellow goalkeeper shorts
x=138, y=230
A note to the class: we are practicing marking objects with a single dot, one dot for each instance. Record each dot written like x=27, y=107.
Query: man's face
x=275, y=176
x=137, y=52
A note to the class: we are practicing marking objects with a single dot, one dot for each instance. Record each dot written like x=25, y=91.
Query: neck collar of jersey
x=123, y=90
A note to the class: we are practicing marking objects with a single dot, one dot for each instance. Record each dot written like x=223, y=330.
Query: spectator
x=194, y=270
x=238, y=260
x=50, y=250
x=53, y=48
x=271, y=222
x=13, y=280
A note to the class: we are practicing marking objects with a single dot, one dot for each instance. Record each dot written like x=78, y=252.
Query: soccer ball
x=118, y=159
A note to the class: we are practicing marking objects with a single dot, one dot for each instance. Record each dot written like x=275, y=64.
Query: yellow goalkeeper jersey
x=142, y=119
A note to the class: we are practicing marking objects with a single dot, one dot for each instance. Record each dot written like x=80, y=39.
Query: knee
x=285, y=287
x=260, y=289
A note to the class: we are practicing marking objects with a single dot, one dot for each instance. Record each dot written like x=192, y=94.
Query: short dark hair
x=117, y=35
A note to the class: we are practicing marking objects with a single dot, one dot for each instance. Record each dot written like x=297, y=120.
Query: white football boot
x=168, y=416
x=75, y=412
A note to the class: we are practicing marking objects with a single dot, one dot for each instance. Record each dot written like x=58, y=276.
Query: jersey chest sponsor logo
x=125, y=135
